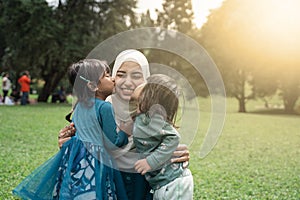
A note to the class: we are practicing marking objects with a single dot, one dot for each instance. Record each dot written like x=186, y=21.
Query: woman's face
x=128, y=77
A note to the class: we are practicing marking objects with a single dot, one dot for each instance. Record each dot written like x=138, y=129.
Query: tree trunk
x=289, y=103
x=51, y=82
x=242, y=105
x=290, y=96
x=45, y=93
x=240, y=91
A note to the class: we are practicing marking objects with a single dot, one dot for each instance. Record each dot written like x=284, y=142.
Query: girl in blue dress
x=84, y=167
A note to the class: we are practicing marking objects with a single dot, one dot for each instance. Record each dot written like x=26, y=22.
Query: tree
x=117, y=16
x=2, y=33
x=146, y=20
x=177, y=15
x=73, y=38
x=221, y=38
x=289, y=83
x=47, y=40
x=27, y=27
x=250, y=50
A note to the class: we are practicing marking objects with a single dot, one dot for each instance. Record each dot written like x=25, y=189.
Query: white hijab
x=134, y=56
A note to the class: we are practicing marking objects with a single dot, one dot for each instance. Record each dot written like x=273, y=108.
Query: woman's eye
x=121, y=75
x=136, y=76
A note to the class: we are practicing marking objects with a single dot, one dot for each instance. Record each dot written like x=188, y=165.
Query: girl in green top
x=156, y=138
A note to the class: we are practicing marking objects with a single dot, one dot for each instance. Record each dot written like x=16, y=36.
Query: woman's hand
x=126, y=127
x=65, y=134
x=181, y=154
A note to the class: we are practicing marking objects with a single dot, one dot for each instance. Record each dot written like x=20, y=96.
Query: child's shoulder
x=147, y=119
x=101, y=104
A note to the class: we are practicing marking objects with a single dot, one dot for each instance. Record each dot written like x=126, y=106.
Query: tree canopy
x=46, y=40
x=254, y=44
x=256, y=55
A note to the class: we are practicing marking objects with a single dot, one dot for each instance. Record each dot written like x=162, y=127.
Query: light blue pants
x=182, y=188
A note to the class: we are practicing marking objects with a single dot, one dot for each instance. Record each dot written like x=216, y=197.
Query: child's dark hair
x=160, y=95
x=84, y=76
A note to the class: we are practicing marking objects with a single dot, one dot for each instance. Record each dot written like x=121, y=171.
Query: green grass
x=28, y=136
x=256, y=157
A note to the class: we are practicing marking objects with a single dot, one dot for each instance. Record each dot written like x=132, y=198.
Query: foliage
x=47, y=40
x=146, y=20
x=255, y=157
x=176, y=15
x=256, y=54
x=117, y=16
x=24, y=20
x=221, y=36
x=186, y=69
x=250, y=51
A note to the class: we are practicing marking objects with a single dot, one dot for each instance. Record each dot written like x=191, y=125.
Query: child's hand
x=142, y=166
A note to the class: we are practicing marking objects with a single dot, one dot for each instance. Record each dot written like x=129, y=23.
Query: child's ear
x=92, y=86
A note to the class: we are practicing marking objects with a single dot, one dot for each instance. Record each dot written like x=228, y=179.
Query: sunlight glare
x=202, y=9
x=280, y=24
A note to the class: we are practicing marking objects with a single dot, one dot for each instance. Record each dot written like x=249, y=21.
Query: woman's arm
x=181, y=154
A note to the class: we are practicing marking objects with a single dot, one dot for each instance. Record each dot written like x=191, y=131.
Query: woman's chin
x=124, y=94
x=125, y=97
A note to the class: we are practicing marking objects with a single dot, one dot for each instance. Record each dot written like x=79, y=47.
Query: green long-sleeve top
x=156, y=140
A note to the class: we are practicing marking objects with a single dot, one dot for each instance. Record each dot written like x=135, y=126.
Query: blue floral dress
x=83, y=168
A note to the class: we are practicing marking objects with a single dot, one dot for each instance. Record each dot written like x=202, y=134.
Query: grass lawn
x=256, y=157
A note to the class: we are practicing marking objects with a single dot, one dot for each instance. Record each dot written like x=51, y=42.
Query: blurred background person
x=24, y=82
x=6, y=85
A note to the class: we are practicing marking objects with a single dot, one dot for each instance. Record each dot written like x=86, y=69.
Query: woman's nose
x=128, y=80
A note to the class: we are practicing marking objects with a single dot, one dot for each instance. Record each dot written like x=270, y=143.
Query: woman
x=130, y=70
